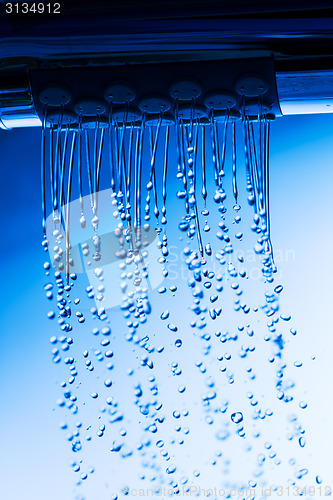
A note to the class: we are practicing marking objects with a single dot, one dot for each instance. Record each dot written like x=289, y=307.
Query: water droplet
x=171, y=469
x=165, y=314
x=178, y=343
x=302, y=441
x=302, y=473
x=76, y=446
x=83, y=221
x=237, y=417
x=172, y=327
x=183, y=226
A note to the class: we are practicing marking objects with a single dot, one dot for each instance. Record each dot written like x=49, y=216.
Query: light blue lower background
x=34, y=459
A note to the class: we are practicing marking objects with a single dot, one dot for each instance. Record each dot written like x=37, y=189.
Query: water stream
x=168, y=336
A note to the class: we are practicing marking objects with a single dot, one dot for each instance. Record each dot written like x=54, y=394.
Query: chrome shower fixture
x=130, y=93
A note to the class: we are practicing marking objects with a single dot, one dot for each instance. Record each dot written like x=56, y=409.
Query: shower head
x=296, y=36
x=148, y=88
x=145, y=91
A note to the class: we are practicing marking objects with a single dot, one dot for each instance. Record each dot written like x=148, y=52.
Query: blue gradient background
x=34, y=462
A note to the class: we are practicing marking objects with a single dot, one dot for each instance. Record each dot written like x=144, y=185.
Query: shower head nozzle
x=191, y=90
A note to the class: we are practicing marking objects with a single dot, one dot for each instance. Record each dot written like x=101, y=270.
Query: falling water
x=170, y=366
